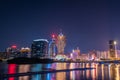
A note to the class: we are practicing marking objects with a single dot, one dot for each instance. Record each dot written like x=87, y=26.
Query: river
x=62, y=71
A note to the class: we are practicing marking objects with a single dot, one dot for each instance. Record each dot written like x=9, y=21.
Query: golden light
x=115, y=42
x=61, y=37
x=25, y=49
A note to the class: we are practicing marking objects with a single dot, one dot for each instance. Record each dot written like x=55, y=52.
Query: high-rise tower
x=112, y=49
x=39, y=48
x=61, y=43
x=52, y=46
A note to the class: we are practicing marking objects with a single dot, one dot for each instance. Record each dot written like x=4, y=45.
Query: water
x=109, y=71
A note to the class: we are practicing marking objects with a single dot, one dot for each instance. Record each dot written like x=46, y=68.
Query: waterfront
x=59, y=71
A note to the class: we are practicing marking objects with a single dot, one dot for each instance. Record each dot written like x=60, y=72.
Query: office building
x=52, y=47
x=112, y=49
x=39, y=48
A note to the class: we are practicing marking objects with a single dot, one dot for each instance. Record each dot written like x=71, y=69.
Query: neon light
x=11, y=70
x=14, y=46
x=41, y=40
x=53, y=36
x=48, y=76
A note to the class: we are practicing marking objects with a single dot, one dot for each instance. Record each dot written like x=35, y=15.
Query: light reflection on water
x=101, y=71
x=23, y=69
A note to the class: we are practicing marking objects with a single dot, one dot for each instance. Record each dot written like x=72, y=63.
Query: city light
x=53, y=36
x=115, y=42
x=60, y=40
x=14, y=46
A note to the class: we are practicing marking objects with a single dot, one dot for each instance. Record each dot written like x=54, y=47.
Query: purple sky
x=87, y=24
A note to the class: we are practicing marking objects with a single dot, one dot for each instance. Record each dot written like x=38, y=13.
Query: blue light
x=48, y=76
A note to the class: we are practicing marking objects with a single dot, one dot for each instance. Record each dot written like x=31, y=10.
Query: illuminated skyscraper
x=112, y=49
x=39, y=48
x=52, y=47
x=12, y=51
x=75, y=53
x=61, y=43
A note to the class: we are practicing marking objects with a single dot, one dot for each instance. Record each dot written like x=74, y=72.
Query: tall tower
x=39, y=48
x=112, y=49
x=61, y=43
x=52, y=47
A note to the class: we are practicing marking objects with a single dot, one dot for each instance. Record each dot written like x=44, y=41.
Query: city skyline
x=88, y=25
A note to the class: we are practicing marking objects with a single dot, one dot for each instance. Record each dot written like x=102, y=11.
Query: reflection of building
x=112, y=48
x=61, y=43
x=39, y=48
x=12, y=70
x=52, y=47
x=61, y=75
x=24, y=69
x=114, y=72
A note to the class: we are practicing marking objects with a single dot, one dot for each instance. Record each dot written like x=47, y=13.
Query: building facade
x=75, y=53
x=112, y=49
x=102, y=55
x=52, y=47
x=39, y=48
x=61, y=43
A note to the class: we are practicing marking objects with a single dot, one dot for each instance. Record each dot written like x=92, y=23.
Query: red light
x=14, y=46
x=11, y=70
x=53, y=36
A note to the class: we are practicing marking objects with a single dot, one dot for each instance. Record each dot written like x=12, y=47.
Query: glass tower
x=52, y=47
x=39, y=48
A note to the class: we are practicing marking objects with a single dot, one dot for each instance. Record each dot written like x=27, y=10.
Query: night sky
x=87, y=24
